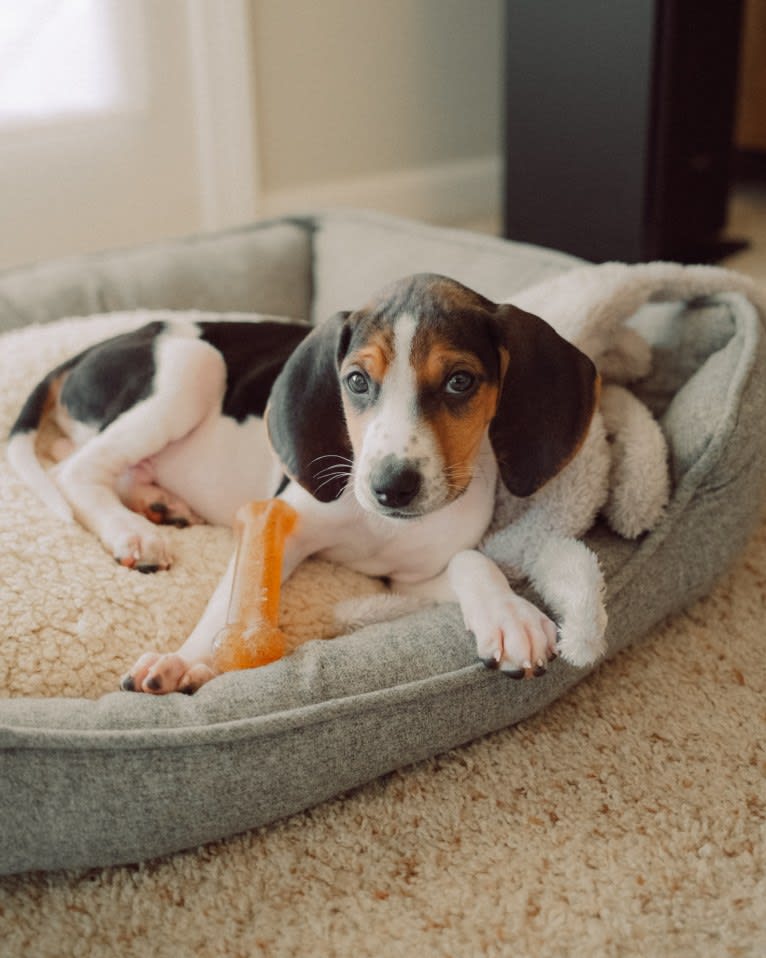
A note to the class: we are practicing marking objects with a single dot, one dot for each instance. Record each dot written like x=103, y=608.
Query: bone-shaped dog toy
x=251, y=636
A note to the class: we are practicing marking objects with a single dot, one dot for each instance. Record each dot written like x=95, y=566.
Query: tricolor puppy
x=386, y=429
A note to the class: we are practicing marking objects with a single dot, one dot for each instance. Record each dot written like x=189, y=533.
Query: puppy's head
x=398, y=396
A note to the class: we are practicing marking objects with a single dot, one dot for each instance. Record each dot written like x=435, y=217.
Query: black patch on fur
x=31, y=412
x=254, y=354
x=546, y=403
x=111, y=376
x=306, y=424
x=284, y=482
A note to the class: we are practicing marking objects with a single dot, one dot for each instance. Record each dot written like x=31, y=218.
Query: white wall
x=386, y=103
x=123, y=122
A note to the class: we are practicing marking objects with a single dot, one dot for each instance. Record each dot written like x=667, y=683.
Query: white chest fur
x=406, y=550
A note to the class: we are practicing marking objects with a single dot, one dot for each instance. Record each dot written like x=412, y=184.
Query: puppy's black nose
x=395, y=484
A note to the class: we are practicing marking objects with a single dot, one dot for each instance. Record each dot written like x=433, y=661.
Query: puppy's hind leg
x=139, y=491
x=188, y=387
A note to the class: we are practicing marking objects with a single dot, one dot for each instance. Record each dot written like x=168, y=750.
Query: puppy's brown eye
x=357, y=382
x=460, y=383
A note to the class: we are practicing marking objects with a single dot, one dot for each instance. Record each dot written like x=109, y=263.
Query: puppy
x=386, y=429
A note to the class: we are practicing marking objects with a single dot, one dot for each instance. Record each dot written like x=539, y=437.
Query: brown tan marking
x=375, y=357
x=52, y=442
x=458, y=433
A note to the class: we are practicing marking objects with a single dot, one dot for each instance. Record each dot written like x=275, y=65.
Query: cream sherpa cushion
x=72, y=620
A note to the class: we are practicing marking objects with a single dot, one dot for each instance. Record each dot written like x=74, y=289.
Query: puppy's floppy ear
x=547, y=399
x=304, y=417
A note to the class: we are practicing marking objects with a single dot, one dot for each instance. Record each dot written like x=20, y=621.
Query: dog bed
x=90, y=776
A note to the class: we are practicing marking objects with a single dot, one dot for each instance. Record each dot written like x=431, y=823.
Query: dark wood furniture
x=619, y=120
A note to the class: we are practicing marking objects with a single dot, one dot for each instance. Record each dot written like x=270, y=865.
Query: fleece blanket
x=592, y=306
x=72, y=620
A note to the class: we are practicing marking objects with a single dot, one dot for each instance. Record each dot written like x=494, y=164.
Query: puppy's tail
x=21, y=447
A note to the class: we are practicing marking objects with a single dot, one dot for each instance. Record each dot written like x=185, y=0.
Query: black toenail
x=180, y=523
x=491, y=663
x=159, y=507
x=127, y=684
x=539, y=670
x=187, y=690
x=154, y=683
x=147, y=567
x=515, y=674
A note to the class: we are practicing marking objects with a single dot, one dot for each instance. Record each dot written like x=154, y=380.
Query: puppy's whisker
x=340, y=464
x=329, y=480
x=458, y=476
x=332, y=455
x=459, y=467
x=336, y=474
x=333, y=468
x=323, y=484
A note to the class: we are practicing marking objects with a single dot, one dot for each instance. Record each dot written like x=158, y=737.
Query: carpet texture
x=628, y=818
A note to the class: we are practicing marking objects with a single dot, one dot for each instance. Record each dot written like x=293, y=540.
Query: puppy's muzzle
x=395, y=483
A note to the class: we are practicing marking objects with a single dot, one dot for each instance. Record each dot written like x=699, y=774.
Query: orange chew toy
x=251, y=636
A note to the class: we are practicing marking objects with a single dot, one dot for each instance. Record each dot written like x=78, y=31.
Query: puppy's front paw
x=514, y=636
x=160, y=674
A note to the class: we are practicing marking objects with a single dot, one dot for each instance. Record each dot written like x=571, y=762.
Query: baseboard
x=446, y=193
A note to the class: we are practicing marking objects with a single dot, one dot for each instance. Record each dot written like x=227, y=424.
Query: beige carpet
x=627, y=819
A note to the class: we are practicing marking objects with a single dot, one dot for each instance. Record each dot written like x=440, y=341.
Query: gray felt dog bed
x=124, y=777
